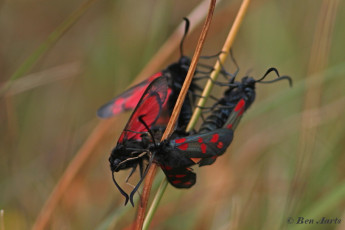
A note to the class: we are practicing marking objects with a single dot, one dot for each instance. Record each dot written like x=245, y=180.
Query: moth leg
x=131, y=173
x=141, y=168
x=120, y=189
x=141, y=180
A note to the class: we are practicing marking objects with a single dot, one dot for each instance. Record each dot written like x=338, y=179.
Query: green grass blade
x=47, y=44
x=155, y=203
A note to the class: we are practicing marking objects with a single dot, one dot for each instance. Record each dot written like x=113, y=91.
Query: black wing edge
x=180, y=177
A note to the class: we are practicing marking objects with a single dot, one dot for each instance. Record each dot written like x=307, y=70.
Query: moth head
x=118, y=158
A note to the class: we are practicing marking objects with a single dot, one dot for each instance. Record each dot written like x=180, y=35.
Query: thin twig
x=174, y=115
x=44, y=77
x=155, y=204
x=196, y=114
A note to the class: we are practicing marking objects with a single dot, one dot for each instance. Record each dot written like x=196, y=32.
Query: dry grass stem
x=44, y=77
x=171, y=125
x=231, y=36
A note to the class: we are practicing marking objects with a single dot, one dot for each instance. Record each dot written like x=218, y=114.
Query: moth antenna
x=141, y=169
x=131, y=173
x=272, y=69
x=148, y=129
x=237, y=66
x=224, y=72
x=186, y=29
x=212, y=56
x=140, y=181
x=278, y=79
x=120, y=189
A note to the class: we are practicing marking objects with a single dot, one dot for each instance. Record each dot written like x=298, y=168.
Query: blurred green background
x=287, y=158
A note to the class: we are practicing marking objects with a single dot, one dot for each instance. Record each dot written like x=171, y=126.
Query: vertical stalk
x=171, y=125
x=228, y=43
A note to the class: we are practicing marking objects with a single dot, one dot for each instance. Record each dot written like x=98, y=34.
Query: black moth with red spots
x=216, y=132
x=227, y=111
x=154, y=100
x=239, y=94
x=139, y=142
x=178, y=155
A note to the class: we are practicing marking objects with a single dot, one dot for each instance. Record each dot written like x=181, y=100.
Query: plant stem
x=171, y=125
x=231, y=36
x=155, y=203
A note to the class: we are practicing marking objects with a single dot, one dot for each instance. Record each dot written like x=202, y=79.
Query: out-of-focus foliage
x=279, y=165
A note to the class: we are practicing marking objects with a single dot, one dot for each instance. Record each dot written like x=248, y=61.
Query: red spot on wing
x=119, y=101
x=155, y=76
x=220, y=145
x=180, y=176
x=215, y=138
x=200, y=140
x=116, y=110
x=168, y=96
x=187, y=183
x=117, y=107
x=163, y=120
x=133, y=101
x=214, y=157
x=180, y=140
x=203, y=148
x=240, y=105
x=121, y=138
x=183, y=146
x=229, y=126
x=127, y=100
x=176, y=181
x=149, y=110
x=166, y=167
